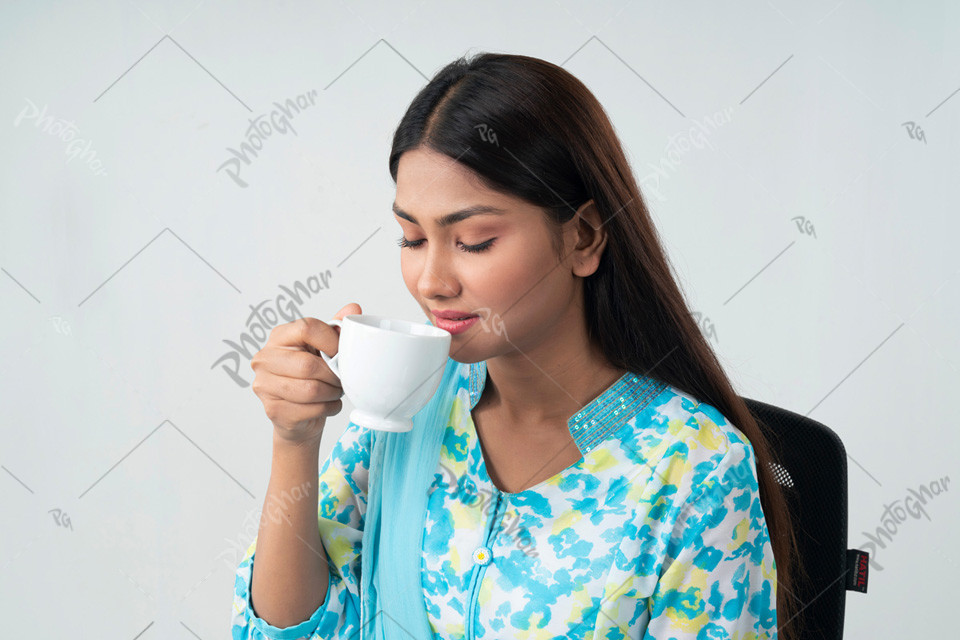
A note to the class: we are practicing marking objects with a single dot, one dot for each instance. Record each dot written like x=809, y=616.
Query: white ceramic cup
x=388, y=368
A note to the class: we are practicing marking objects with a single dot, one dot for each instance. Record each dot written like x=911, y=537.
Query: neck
x=538, y=390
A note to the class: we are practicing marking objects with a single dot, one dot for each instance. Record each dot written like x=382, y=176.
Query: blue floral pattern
x=656, y=533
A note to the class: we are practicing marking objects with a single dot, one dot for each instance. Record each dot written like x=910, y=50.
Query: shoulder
x=694, y=423
x=693, y=447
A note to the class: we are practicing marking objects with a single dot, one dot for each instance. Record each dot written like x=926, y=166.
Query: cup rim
x=437, y=331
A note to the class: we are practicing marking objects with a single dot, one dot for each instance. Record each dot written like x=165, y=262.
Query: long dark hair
x=529, y=128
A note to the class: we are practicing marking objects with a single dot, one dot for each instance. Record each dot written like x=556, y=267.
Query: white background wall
x=133, y=467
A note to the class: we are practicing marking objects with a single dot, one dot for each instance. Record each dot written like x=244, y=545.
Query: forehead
x=431, y=184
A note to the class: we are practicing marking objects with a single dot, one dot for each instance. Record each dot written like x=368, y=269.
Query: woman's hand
x=297, y=388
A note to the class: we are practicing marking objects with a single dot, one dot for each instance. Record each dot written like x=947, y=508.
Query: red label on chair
x=858, y=564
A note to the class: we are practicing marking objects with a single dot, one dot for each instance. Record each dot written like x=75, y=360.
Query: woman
x=596, y=475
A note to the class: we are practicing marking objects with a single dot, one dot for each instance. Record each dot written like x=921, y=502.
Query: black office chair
x=812, y=468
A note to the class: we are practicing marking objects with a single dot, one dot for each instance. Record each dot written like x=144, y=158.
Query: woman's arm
x=336, y=516
x=290, y=577
x=719, y=578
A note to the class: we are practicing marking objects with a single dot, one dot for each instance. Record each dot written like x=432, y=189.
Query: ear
x=591, y=238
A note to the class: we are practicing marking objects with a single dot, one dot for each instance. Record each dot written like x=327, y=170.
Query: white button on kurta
x=482, y=556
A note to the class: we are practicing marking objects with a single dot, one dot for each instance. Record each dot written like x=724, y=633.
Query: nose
x=436, y=279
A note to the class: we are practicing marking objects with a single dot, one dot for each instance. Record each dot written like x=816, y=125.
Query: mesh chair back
x=812, y=468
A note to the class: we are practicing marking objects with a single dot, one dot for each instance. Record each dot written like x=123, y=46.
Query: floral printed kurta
x=657, y=532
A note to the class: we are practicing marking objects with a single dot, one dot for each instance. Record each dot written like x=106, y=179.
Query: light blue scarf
x=401, y=471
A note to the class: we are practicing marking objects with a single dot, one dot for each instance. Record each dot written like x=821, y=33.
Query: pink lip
x=451, y=314
x=456, y=326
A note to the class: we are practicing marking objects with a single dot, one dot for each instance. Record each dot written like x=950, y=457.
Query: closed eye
x=471, y=248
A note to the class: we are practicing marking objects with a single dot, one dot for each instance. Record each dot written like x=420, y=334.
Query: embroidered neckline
x=600, y=417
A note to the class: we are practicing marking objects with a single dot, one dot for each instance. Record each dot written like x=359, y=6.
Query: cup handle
x=333, y=361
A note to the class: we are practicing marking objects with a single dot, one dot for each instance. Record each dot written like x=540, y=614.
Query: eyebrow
x=452, y=218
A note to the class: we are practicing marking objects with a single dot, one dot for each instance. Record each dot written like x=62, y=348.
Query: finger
x=296, y=412
x=299, y=390
x=348, y=309
x=294, y=363
x=304, y=333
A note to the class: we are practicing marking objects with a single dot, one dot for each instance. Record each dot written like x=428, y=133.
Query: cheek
x=516, y=273
x=534, y=283
x=408, y=272
x=499, y=283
